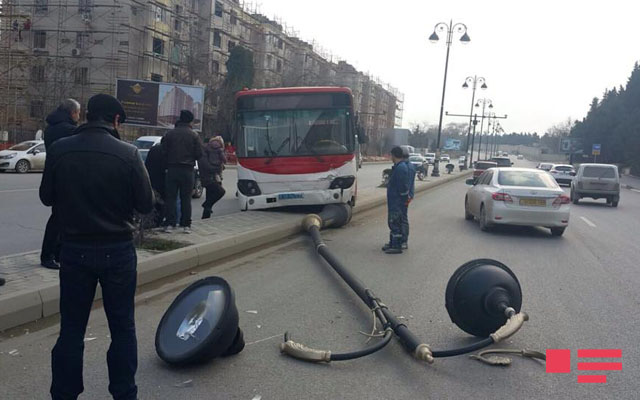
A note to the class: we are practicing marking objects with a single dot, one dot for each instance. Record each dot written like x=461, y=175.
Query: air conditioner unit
x=76, y=52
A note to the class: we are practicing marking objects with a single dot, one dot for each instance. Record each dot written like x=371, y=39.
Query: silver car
x=517, y=196
x=598, y=181
x=563, y=173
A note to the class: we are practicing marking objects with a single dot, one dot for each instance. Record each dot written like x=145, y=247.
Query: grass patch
x=160, y=245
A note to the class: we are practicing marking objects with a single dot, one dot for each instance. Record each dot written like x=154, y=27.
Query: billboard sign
x=158, y=104
x=452, y=144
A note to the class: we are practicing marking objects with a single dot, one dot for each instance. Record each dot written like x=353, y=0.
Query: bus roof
x=293, y=90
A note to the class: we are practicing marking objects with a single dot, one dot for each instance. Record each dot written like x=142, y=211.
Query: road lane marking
x=586, y=221
x=18, y=190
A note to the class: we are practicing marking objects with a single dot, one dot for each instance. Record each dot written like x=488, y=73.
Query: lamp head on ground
x=200, y=324
x=480, y=295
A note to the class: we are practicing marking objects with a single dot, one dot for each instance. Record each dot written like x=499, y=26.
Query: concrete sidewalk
x=31, y=292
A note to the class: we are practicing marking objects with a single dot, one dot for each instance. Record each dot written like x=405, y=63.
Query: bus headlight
x=343, y=182
x=248, y=187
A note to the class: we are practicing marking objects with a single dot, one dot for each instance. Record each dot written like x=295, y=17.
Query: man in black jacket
x=95, y=181
x=182, y=147
x=61, y=123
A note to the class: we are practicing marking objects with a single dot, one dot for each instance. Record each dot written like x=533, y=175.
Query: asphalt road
x=23, y=218
x=580, y=291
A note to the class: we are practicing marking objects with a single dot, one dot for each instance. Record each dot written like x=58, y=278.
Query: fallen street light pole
x=483, y=298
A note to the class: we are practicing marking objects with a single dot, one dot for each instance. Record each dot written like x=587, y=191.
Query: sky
x=543, y=61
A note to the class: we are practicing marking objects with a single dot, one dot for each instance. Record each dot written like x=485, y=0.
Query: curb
x=33, y=304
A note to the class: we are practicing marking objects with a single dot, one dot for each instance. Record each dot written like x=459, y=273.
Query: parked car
x=545, y=166
x=502, y=161
x=445, y=158
x=517, y=196
x=24, y=157
x=430, y=157
x=144, y=143
x=520, y=157
x=420, y=164
x=563, y=173
x=480, y=166
x=597, y=181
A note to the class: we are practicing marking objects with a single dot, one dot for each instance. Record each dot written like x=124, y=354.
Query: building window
x=218, y=9
x=280, y=44
x=174, y=73
x=39, y=39
x=156, y=77
x=37, y=109
x=233, y=18
x=37, y=73
x=269, y=61
x=158, y=46
x=178, y=9
x=279, y=66
x=82, y=40
x=230, y=45
x=177, y=25
x=84, y=6
x=42, y=5
x=215, y=67
x=160, y=13
x=81, y=76
x=217, y=39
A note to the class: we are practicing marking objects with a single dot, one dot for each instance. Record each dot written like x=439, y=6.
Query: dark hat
x=186, y=116
x=105, y=106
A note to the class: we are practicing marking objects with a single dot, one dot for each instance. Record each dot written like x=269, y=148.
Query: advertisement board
x=158, y=104
x=452, y=144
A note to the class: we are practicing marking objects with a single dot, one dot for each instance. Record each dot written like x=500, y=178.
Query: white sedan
x=517, y=196
x=23, y=157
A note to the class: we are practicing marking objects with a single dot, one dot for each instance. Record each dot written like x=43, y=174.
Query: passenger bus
x=295, y=146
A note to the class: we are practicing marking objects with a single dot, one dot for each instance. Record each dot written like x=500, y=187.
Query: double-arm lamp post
x=449, y=29
x=485, y=103
x=473, y=81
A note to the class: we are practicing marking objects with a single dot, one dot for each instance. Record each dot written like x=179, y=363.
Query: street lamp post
x=490, y=125
x=485, y=103
x=473, y=80
x=449, y=29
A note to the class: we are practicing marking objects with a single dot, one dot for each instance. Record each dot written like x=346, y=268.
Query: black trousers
x=215, y=192
x=82, y=267
x=179, y=179
x=51, y=241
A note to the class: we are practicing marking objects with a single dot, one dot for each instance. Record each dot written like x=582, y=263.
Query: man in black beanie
x=96, y=181
x=182, y=147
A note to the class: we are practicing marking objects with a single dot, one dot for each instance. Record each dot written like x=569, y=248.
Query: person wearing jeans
x=397, y=199
x=182, y=147
x=95, y=182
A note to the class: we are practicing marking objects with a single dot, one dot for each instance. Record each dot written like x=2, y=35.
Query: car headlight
x=248, y=187
x=343, y=182
x=9, y=156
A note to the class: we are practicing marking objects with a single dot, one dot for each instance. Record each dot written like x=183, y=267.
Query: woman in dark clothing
x=211, y=165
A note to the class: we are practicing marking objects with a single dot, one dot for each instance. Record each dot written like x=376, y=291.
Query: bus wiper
x=278, y=151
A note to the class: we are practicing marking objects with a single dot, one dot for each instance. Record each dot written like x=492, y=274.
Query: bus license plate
x=533, y=202
x=290, y=196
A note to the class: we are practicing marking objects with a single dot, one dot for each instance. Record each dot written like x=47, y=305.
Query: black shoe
x=386, y=246
x=50, y=264
x=393, y=250
x=2, y=281
x=206, y=213
x=405, y=246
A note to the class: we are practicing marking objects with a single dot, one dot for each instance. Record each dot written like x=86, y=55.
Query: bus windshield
x=302, y=132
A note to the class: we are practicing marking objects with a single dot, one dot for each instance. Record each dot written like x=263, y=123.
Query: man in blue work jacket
x=397, y=199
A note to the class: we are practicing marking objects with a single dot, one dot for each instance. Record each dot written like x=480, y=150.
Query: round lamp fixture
x=479, y=294
x=200, y=324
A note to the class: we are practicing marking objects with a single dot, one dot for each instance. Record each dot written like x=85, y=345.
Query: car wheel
x=557, y=231
x=614, y=203
x=484, y=224
x=421, y=176
x=197, y=189
x=467, y=215
x=22, y=166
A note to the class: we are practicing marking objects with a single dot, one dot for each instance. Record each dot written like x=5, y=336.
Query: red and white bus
x=295, y=146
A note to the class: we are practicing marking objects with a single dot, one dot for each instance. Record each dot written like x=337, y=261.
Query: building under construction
x=54, y=49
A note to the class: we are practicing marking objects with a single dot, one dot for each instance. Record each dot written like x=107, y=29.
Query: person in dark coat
x=397, y=200
x=156, y=163
x=405, y=210
x=182, y=147
x=96, y=181
x=62, y=122
x=211, y=165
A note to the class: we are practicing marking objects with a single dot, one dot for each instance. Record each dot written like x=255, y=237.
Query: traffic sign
x=595, y=150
